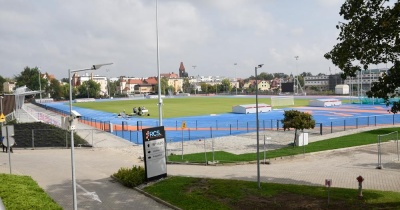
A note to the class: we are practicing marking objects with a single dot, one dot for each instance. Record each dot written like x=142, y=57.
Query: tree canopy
x=89, y=89
x=370, y=35
x=297, y=120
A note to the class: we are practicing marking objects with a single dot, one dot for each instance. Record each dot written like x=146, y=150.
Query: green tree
x=89, y=89
x=55, y=89
x=226, y=85
x=164, y=86
x=113, y=87
x=369, y=36
x=65, y=91
x=186, y=85
x=297, y=120
x=30, y=78
x=2, y=80
x=301, y=80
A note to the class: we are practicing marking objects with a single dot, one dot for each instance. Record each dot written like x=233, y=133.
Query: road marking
x=92, y=195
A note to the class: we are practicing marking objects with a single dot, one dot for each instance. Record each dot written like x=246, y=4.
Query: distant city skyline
x=220, y=38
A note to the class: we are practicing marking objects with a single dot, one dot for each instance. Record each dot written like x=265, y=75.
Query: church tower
x=182, y=72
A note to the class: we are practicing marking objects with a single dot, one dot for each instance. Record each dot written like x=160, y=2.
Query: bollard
x=360, y=179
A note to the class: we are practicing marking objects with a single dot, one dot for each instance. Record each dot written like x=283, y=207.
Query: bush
x=131, y=177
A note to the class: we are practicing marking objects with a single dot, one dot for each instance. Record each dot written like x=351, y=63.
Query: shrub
x=131, y=177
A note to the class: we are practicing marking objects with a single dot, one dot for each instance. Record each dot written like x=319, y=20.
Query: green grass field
x=180, y=107
x=200, y=193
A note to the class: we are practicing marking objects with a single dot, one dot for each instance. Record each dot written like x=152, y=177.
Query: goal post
x=388, y=144
x=282, y=101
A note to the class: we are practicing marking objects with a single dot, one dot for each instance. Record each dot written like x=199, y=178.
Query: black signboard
x=155, y=162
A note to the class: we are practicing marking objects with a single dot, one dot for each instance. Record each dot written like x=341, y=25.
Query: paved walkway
x=51, y=168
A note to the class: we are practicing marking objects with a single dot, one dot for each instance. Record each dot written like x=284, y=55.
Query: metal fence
x=32, y=138
x=130, y=129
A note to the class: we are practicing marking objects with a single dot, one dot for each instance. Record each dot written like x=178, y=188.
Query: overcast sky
x=213, y=35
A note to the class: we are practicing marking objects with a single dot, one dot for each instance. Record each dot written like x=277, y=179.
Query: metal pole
x=72, y=144
x=158, y=70
x=258, y=129
x=8, y=148
x=182, y=144
x=397, y=141
x=33, y=138
x=264, y=150
x=40, y=87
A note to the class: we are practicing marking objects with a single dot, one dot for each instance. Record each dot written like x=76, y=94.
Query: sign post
x=8, y=140
x=328, y=183
x=154, y=151
x=183, y=126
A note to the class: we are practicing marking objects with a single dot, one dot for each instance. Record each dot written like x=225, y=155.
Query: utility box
x=302, y=139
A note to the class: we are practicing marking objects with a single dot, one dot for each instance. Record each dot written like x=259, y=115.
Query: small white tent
x=251, y=108
x=325, y=102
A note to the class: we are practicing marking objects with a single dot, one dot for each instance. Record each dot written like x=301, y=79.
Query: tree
x=186, y=87
x=164, y=86
x=89, y=89
x=112, y=86
x=55, y=89
x=226, y=85
x=65, y=91
x=2, y=80
x=30, y=78
x=369, y=36
x=297, y=120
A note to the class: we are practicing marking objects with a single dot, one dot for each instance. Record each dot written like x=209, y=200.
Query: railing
x=131, y=129
x=198, y=129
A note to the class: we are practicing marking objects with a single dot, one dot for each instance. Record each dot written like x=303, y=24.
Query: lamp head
x=260, y=65
x=97, y=66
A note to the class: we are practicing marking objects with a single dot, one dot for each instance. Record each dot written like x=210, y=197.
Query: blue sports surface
x=209, y=126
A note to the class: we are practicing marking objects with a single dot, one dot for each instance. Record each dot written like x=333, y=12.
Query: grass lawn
x=358, y=139
x=180, y=107
x=199, y=193
x=22, y=192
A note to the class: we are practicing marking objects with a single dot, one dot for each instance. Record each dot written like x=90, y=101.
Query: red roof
x=151, y=80
x=135, y=81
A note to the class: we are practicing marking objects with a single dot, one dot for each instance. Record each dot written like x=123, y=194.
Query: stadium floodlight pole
x=158, y=72
x=94, y=67
x=258, y=130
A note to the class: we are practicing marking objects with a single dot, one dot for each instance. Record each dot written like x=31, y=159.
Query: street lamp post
x=94, y=67
x=258, y=130
x=40, y=86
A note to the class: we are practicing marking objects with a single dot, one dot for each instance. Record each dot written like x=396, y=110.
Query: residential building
x=8, y=87
x=130, y=86
x=77, y=80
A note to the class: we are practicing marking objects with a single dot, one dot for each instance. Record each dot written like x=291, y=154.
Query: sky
x=212, y=35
